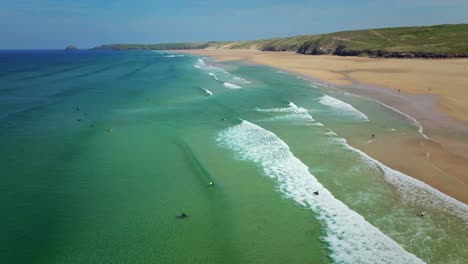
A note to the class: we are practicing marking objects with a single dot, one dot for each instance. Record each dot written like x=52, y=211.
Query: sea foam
x=412, y=119
x=208, y=92
x=174, y=56
x=231, y=85
x=292, y=112
x=349, y=236
x=411, y=189
x=343, y=108
x=229, y=80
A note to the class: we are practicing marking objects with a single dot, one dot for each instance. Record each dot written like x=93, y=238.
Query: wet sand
x=433, y=94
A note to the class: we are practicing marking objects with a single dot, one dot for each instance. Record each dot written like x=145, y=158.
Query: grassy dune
x=432, y=41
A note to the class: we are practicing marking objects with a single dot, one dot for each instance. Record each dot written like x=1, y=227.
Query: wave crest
x=349, y=236
x=343, y=108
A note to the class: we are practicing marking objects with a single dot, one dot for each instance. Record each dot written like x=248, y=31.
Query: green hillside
x=432, y=41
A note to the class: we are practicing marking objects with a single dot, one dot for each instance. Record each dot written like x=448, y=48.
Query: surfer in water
x=421, y=214
x=182, y=216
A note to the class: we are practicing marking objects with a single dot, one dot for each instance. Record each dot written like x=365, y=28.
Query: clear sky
x=88, y=23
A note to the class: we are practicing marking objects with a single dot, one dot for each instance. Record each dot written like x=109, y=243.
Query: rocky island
x=71, y=47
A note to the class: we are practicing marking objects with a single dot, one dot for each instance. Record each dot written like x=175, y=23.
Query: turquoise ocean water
x=99, y=151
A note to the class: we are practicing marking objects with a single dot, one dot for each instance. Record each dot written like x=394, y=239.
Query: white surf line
x=221, y=75
x=208, y=92
x=349, y=236
x=419, y=126
x=292, y=112
x=174, y=55
x=320, y=84
x=342, y=107
x=213, y=75
x=412, y=189
x=405, y=184
x=231, y=85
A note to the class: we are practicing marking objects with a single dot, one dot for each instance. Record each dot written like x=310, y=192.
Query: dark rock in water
x=71, y=47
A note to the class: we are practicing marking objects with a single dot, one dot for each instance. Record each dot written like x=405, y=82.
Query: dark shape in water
x=182, y=216
x=316, y=193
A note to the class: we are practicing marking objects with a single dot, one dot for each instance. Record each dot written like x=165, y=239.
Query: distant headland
x=439, y=41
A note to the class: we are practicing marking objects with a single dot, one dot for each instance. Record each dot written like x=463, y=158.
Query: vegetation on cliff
x=440, y=41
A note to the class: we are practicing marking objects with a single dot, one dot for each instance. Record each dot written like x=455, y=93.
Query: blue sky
x=55, y=24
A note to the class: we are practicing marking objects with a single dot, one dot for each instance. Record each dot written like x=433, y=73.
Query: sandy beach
x=446, y=78
x=433, y=94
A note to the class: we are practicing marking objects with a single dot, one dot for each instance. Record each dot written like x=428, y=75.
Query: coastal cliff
x=440, y=41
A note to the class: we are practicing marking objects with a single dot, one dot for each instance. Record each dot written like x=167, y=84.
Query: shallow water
x=101, y=150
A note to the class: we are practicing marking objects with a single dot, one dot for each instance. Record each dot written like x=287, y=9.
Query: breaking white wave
x=411, y=189
x=293, y=112
x=350, y=237
x=231, y=85
x=213, y=75
x=208, y=92
x=220, y=74
x=174, y=56
x=343, y=108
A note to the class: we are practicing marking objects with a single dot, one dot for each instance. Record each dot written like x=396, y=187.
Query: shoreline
x=443, y=140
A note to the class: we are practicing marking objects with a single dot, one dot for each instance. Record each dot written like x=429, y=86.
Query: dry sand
x=434, y=92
